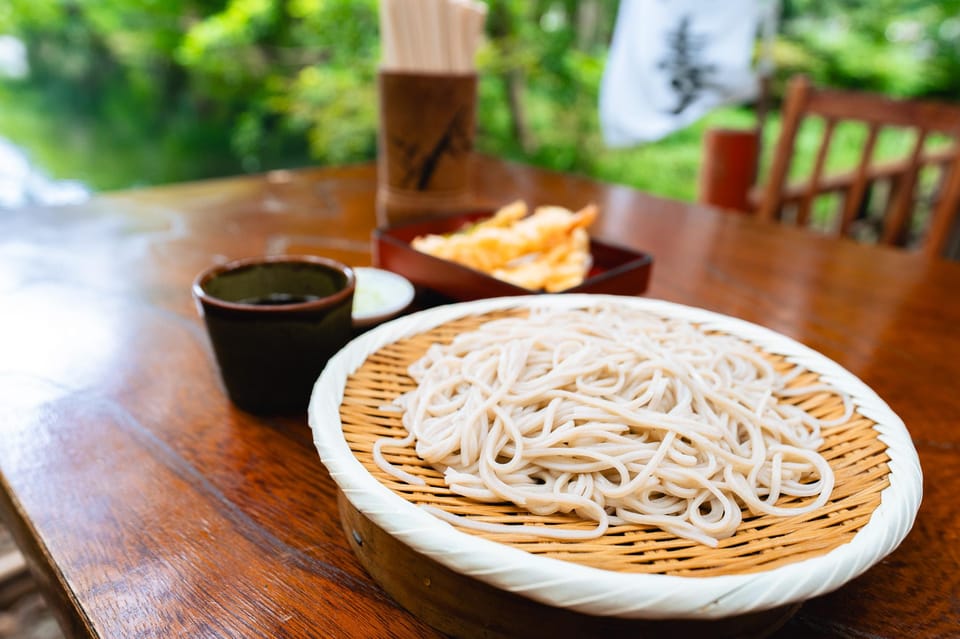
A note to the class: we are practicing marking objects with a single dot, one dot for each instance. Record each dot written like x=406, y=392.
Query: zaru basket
x=633, y=580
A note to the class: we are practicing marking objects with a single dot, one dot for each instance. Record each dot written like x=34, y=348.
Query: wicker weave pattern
x=855, y=453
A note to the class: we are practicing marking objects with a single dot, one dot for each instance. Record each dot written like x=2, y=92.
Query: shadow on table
x=23, y=612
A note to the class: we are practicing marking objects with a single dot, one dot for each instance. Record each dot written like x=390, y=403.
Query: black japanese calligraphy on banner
x=672, y=62
x=689, y=72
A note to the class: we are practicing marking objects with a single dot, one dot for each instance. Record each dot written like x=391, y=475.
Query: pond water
x=22, y=183
x=55, y=148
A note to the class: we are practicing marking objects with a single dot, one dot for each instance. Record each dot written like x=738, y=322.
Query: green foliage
x=900, y=47
x=166, y=90
x=347, y=100
x=260, y=82
x=555, y=52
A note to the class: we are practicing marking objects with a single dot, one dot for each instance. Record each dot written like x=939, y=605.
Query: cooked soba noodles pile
x=616, y=415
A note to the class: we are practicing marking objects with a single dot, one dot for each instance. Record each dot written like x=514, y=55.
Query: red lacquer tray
x=616, y=270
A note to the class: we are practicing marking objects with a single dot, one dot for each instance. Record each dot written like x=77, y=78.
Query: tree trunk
x=514, y=81
x=588, y=21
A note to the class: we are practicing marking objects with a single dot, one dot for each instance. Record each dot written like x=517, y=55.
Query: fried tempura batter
x=548, y=250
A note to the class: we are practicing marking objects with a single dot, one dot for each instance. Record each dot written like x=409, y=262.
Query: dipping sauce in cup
x=273, y=323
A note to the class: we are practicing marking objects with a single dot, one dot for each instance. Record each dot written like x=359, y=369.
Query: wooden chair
x=925, y=183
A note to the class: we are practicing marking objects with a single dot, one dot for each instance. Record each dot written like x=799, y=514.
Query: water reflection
x=13, y=57
x=22, y=184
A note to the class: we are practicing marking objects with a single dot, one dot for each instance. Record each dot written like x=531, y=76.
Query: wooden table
x=148, y=506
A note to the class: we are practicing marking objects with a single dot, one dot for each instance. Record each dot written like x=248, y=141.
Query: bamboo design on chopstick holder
x=421, y=163
x=439, y=36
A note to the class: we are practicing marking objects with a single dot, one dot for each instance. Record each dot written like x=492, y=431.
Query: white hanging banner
x=672, y=61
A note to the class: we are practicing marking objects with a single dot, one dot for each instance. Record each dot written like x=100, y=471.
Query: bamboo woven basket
x=634, y=579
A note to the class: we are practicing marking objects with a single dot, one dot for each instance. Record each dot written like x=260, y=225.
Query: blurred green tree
x=908, y=48
x=183, y=89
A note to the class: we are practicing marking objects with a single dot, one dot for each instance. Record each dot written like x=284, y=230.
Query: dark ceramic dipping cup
x=274, y=322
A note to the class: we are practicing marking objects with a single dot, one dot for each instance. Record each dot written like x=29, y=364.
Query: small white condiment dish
x=380, y=295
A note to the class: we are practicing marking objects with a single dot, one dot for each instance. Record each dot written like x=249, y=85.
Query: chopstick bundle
x=440, y=36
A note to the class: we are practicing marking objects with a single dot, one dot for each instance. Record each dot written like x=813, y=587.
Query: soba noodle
x=616, y=415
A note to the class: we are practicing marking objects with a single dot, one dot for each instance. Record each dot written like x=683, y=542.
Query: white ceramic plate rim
x=602, y=592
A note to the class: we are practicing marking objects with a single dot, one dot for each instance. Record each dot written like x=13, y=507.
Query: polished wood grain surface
x=148, y=506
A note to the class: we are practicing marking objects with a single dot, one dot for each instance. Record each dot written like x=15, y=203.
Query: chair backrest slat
x=898, y=182
x=803, y=214
x=944, y=215
x=854, y=200
x=879, y=109
x=903, y=200
x=798, y=93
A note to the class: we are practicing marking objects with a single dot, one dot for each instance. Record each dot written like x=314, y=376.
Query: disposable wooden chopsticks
x=440, y=36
